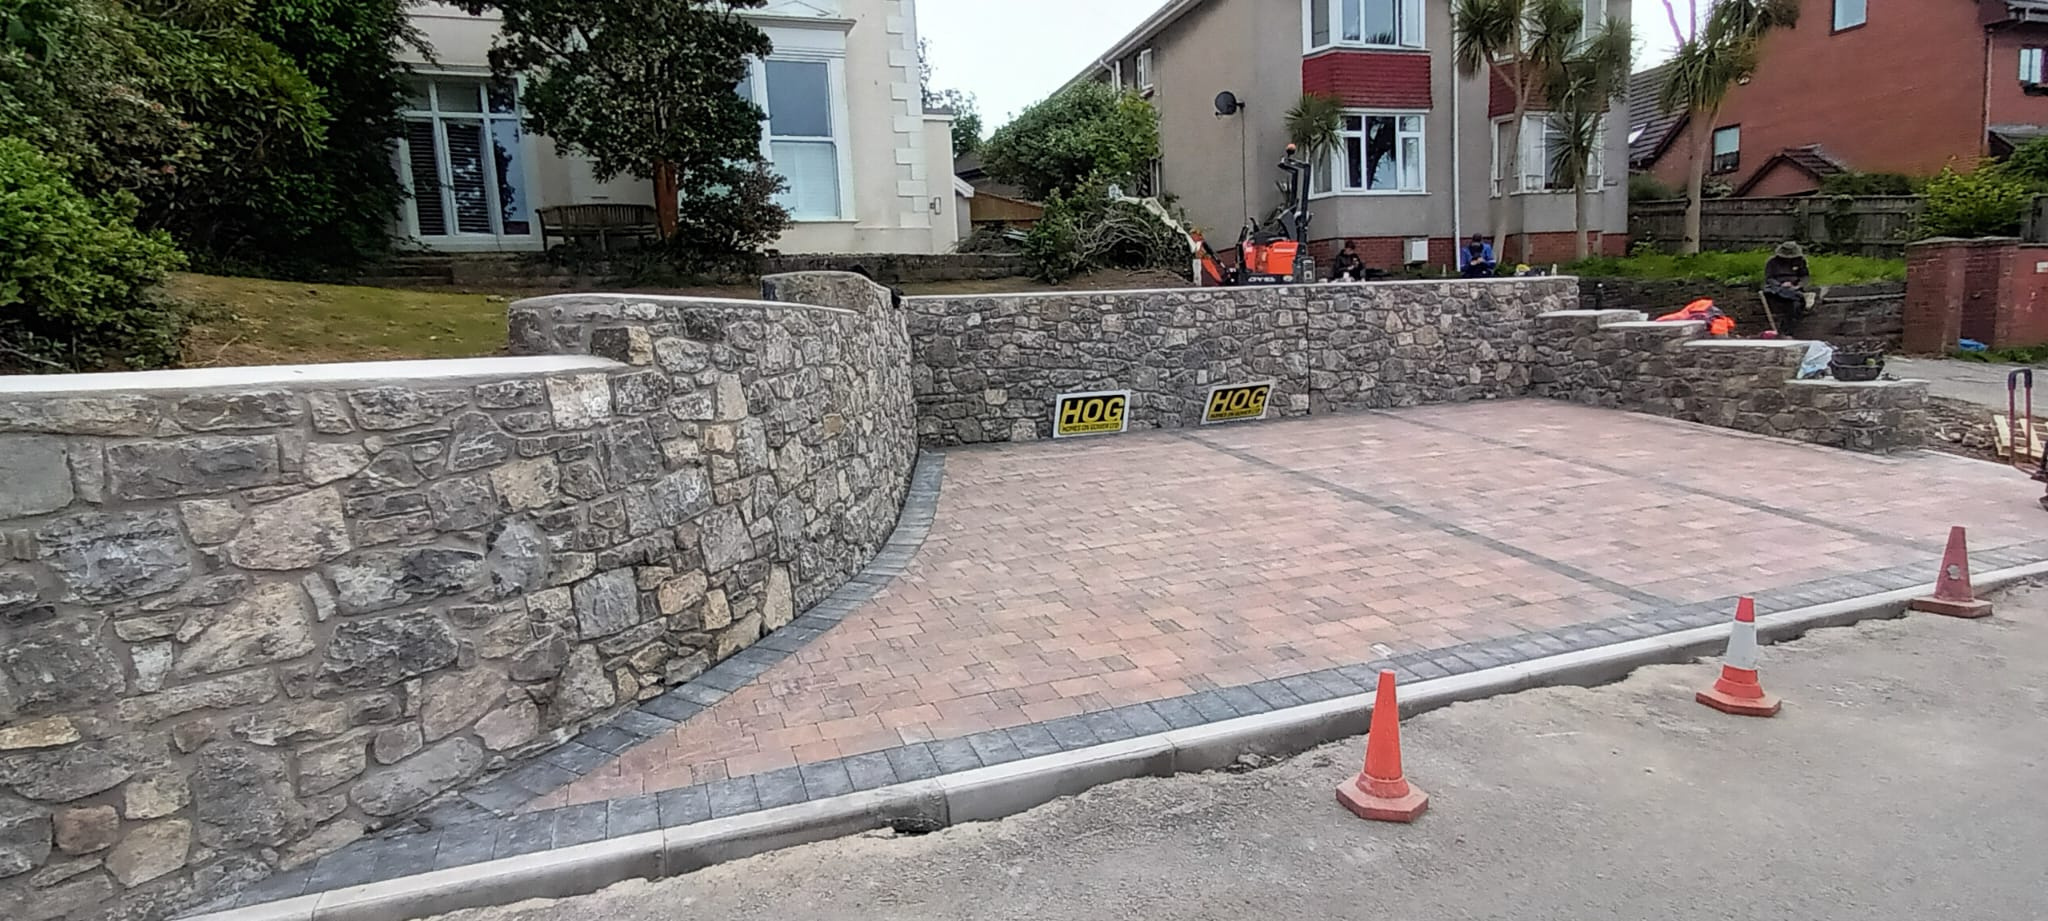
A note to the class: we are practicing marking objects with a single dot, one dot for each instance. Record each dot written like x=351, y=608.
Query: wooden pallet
x=2001, y=429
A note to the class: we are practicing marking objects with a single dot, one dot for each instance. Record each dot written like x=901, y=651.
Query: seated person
x=1475, y=259
x=1348, y=266
x=1785, y=279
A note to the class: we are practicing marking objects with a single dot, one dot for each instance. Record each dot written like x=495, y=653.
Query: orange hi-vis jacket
x=1718, y=323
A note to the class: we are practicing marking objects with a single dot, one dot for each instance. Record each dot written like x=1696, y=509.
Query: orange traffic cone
x=1380, y=792
x=1738, y=691
x=1952, y=593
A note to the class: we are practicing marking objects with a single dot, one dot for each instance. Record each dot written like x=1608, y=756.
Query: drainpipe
x=1457, y=173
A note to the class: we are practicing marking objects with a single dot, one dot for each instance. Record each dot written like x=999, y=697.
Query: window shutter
x=466, y=176
x=1411, y=23
x=426, y=178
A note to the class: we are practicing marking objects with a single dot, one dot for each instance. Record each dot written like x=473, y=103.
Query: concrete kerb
x=990, y=793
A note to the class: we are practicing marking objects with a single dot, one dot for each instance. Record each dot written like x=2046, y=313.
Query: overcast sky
x=1010, y=54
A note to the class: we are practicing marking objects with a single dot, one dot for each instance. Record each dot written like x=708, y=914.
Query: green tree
x=75, y=276
x=1579, y=90
x=646, y=88
x=345, y=193
x=965, y=108
x=966, y=119
x=1087, y=131
x=1520, y=43
x=1315, y=125
x=1704, y=69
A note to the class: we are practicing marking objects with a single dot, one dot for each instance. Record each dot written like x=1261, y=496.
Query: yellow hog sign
x=1237, y=402
x=1103, y=412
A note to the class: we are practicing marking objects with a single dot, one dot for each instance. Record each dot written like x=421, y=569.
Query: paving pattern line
x=1431, y=521
x=1734, y=498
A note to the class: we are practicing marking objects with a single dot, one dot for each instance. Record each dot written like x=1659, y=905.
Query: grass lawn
x=254, y=321
x=1741, y=268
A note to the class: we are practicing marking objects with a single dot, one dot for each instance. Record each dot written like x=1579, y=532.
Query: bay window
x=1368, y=23
x=1540, y=156
x=462, y=160
x=1374, y=153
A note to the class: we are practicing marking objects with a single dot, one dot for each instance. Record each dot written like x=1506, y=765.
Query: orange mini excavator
x=1267, y=254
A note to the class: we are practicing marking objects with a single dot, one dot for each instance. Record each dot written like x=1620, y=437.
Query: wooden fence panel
x=1871, y=225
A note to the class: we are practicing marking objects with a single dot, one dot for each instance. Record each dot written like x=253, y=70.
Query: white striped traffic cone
x=1738, y=691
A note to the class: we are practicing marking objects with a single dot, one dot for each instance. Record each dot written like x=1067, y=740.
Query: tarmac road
x=1904, y=781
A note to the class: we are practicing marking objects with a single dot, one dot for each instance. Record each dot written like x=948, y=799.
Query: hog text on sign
x=1235, y=402
x=1102, y=413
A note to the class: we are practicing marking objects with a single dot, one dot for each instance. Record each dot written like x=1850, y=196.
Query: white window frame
x=1410, y=21
x=2033, y=61
x=1533, y=161
x=1333, y=164
x=1714, y=149
x=524, y=157
x=1145, y=71
x=1844, y=9
x=841, y=137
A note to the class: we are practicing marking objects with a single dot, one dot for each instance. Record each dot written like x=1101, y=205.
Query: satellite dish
x=1227, y=104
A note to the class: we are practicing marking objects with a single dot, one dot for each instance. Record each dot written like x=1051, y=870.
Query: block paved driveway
x=1070, y=578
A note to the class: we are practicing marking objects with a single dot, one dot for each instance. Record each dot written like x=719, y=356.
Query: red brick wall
x=1904, y=93
x=1993, y=291
x=1389, y=79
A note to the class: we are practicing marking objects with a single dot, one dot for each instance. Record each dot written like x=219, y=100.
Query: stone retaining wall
x=246, y=615
x=989, y=368
x=1845, y=313
x=1616, y=358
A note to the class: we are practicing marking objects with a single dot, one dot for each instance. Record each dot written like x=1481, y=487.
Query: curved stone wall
x=247, y=614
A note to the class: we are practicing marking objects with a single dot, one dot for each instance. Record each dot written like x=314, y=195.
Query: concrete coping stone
x=1800, y=344
x=1826, y=383
x=1634, y=315
x=995, y=792
x=1334, y=287
x=358, y=372
x=593, y=299
x=1673, y=327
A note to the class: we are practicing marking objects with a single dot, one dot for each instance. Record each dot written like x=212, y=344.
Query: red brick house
x=1875, y=86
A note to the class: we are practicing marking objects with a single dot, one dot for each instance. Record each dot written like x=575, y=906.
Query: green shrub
x=1986, y=203
x=1870, y=184
x=75, y=276
x=2029, y=162
x=1645, y=187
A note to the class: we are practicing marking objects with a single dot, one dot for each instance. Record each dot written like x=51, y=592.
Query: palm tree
x=1316, y=125
x=1579, y=92
x=1704, y=69
x=1519, y=42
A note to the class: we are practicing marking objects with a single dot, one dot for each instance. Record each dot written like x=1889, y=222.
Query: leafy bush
x=75, y=276
x=2029, y=162
x=1645, y=187
x=1087, y=131
x=1986, y=203
x=1870, y=184
x=1087, y=230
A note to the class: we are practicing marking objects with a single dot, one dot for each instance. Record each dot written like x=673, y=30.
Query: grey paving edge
x=992, y=792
